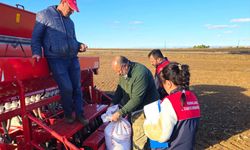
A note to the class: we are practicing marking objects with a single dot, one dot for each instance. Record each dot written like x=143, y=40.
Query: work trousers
x=67, y=74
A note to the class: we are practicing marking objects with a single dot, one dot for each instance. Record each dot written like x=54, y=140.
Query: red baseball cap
x=73, y=5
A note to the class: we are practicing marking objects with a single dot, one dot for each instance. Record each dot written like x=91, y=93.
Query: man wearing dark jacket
x=136, y=88
x=159, y=62
x=54, y=31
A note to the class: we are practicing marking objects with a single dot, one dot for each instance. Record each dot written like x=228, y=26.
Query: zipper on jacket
x=66, y=33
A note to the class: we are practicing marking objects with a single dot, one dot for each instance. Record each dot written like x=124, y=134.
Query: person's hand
x=115, y=116
x=36, y=57
x=83, y=48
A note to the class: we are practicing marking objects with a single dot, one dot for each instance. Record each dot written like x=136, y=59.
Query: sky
x=156, y=23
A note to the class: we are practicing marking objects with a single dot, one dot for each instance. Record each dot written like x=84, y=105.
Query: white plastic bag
x=107, y=116
x=118, y=135
x=160, y=120
x=152, y=111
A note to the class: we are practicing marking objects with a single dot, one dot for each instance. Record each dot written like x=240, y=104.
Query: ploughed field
x=221, y=79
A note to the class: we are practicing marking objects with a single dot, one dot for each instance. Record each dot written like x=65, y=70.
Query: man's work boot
x=69, y=119
x=82, y=120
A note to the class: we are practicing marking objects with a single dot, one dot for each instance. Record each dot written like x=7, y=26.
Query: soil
x=221, y=81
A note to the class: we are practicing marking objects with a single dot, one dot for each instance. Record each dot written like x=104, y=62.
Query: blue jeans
x=67, y=74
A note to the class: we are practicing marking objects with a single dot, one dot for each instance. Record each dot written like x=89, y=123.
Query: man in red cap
x=67, y=7
x=73, y=5
x=159, y=62
x=54, y=32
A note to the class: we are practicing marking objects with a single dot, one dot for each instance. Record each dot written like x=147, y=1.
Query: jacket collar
x=175, y=91
x=131, y=66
